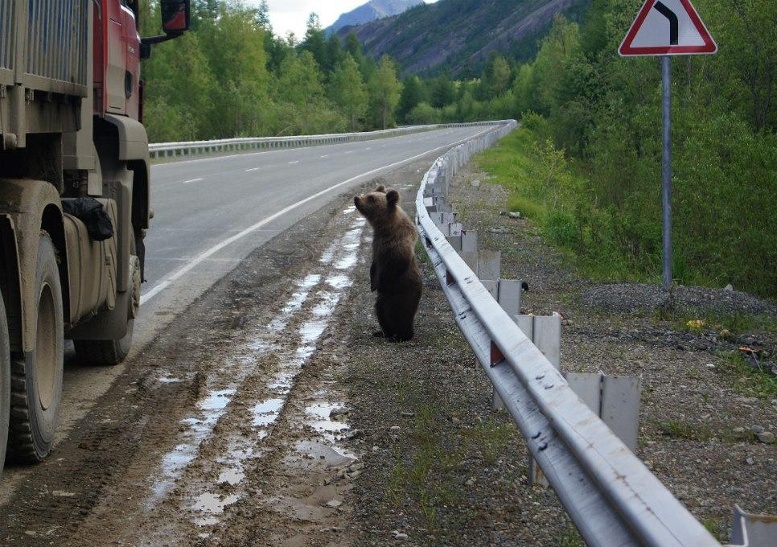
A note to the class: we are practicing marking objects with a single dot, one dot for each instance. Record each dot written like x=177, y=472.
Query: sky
x=292, y=15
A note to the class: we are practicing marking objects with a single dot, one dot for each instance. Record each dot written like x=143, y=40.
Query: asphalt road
x=210, y=213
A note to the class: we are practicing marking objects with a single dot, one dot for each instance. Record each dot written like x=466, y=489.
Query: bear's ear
x=381, y=188
x=392, y=197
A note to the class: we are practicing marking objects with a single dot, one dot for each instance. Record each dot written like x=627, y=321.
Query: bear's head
x=378, y=204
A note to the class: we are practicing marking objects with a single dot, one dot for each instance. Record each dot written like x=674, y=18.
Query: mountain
x=372, y=10
x=456, y=36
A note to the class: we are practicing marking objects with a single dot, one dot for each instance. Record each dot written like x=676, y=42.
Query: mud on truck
x=74, y=198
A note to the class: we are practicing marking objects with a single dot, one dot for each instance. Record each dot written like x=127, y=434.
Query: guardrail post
x=485, y=264
x=466, y=242
x=509, y=295
x=753, y=530
x=443, y=220
x=545, y=332
x=615, y=399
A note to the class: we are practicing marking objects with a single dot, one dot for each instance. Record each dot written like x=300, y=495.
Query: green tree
x=442, y=91
x=315, y=41
x=235, y=48
x=524, y=88
x=299, y=80
x=496, y=78
x=413, y=93
x=333, y=54
x=385, y=89
x=560, y=44
x=263, y=16
x=746, y=68
x=178, y=87
x=348, y=90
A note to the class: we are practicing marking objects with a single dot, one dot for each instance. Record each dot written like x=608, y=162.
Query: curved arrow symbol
x=674, y=25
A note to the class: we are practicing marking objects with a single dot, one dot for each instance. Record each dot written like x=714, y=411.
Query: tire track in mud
x=268, y=412
x=227, y=428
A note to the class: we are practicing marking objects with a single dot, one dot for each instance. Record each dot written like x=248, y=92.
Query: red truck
x=74, y=198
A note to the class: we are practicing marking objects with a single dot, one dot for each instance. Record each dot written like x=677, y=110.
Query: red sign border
x=709, y=46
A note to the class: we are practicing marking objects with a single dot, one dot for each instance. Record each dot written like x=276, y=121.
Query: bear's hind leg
x=384, y=312
x=401, y=313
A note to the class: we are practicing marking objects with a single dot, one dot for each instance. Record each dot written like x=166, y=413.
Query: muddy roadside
x=269, y=415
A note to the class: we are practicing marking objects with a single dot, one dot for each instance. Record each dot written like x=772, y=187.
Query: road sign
x=667, y=27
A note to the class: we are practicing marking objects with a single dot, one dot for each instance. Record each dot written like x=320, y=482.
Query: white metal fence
x=607, y=491
x=194, y=148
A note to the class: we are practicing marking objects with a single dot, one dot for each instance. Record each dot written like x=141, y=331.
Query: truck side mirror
x=175, y=16
x=175, y=21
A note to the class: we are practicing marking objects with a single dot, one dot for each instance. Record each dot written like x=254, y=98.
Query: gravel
x=441, y=467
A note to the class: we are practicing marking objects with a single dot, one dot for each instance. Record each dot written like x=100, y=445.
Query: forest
x=586, y=163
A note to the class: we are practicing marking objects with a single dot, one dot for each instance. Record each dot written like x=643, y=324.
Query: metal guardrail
x=191, y=148
x=610, y=495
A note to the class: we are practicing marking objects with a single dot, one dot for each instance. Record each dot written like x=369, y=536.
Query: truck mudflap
x=91, y=267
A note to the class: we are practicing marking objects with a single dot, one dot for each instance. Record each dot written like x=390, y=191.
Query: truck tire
x=5, y=383
x=113, y=352
x=36, y=377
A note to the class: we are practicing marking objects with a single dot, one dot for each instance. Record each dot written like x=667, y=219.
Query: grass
x=749, y=379
x=434, y=465
x=684, y=431
x=545, y=189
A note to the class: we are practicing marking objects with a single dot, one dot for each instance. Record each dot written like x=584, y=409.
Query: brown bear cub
x=394, y=272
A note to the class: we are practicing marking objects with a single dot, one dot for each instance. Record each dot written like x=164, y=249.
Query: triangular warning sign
x=667, y=27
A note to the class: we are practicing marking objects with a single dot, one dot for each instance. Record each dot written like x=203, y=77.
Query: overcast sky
x=292, y=15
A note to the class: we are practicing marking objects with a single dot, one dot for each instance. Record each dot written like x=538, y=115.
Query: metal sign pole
x=671, y=28
x=666, y=186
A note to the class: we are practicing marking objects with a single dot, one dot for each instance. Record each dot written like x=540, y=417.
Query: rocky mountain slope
x=458, y=35
x=372, y=10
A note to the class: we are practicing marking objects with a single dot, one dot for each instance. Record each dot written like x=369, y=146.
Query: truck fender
x=133, y=150
x=30, y=206
x=133, y=139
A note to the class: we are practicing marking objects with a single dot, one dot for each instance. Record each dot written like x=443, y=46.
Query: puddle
x=295, y=303
x=173, y=464
x=350, y=243
x=317, y=453
x=211, y=505
x=266, y=412
x=347, y=262
x=339, y=282
x=329, y=254
x=211, y=500
x=323, y=421
x=312, y=330
x=232, y=476
x=169, y=380
x=282, y=383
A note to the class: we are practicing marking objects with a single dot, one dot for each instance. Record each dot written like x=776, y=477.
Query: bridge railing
x=610, y=495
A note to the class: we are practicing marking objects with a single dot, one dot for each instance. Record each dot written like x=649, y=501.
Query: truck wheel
x=36, y=378
x=113, y=352
x=5, y=383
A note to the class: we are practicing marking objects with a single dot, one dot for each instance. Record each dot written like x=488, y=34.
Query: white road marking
x=202, y=257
